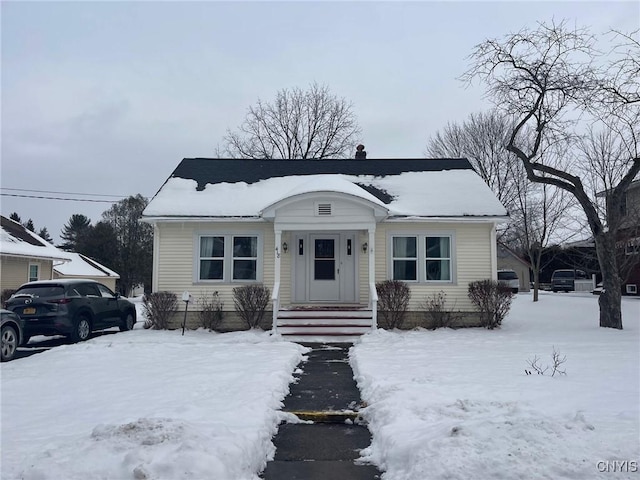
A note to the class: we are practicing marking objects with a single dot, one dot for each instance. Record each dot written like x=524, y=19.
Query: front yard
x=454, y=404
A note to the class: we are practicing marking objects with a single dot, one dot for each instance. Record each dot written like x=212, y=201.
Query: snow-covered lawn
x=452, y=404
x=146, y=405
x=457, y=404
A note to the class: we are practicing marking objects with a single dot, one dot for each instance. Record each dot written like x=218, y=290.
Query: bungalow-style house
x=320, y=234
x=25, y=256
x=82, y=266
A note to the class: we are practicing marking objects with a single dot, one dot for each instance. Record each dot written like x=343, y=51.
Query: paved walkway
x=327, y=394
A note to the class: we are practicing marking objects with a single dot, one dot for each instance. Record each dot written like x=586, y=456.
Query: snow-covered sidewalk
x=457, y=404
x=146, y=405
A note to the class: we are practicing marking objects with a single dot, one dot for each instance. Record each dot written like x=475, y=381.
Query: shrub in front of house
x=493, y=301
x=159, y=308
x=251, y=302
x=210, y=313
x=6, y=293
x=393, y=301
x=436, y=314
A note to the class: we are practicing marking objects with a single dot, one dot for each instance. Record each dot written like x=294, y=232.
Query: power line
x=58, y=198
x=62, y=193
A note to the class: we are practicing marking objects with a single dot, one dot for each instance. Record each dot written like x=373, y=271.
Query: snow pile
x=457, y=404
x=146, y=405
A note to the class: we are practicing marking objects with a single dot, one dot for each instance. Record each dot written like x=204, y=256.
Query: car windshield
x=563, y=274
x=40, y=291
x=507, y=276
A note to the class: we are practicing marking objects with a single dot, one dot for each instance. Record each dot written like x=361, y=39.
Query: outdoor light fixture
x=285, y=247
x=365, y=245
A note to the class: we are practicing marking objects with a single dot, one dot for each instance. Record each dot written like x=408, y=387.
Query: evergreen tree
x=44, y=233
x=74, y=232
x=15, y=217
x=134, y=242
x=29, y=225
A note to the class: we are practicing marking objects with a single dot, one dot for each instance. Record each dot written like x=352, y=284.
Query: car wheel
x=127, y=324
x=82, y=330
x=9, y=343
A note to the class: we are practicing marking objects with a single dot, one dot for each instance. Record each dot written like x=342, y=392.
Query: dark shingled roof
x=18, y=231
x=219, y=170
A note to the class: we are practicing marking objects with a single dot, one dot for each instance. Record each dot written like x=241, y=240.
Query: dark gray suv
x=73, y=308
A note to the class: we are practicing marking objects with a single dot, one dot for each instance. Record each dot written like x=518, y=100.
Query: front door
x=324, y=282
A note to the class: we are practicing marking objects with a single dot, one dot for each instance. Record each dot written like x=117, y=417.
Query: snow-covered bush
x=210, y=312
x=493, y=301
x=158, y=308
x=435, y=311
x=251, y=302
x=393, y=300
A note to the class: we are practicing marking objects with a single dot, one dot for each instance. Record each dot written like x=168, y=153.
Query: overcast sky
x=106, y=98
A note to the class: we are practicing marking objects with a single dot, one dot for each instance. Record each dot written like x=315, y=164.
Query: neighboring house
x=320, y=233
x=629, y=240
x=25, y=256
x=510, y=260
x=81, y=266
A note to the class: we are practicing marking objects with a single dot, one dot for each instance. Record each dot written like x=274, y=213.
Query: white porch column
x=494, y=253
x=373, y=301
x=275, y=294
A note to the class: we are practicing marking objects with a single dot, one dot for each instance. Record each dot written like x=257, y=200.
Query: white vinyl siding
x=15, y=270
x=177, y=269
x=471, y=253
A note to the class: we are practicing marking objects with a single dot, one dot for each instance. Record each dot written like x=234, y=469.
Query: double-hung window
x=405, y=258
x=438, y=259
x=245, y=258
x=422, y=258
x=228, y=258
x=212, y=258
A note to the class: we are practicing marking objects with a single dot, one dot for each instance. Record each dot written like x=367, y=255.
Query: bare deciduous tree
x=299, y=124
x=481, y=139
x=537, y=212
x=554, y=80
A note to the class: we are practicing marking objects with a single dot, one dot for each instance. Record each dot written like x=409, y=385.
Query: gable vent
x=323, y=209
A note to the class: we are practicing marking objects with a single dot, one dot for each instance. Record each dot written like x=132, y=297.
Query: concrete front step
x=325, y=313
x=321, y=338
x=324, y=325
x=322, y=329
x=323, y=321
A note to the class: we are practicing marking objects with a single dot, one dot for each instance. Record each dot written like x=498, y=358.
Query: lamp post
x=186, y=296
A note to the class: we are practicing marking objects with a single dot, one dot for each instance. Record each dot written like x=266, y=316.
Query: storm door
x=324, y=281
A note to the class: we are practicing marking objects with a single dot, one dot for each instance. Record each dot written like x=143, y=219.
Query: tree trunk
x=610, y=300
x=536, y=282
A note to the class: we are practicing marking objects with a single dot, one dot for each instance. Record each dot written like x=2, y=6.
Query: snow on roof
x=447, y=193
x=81, y=266
x=15, y=240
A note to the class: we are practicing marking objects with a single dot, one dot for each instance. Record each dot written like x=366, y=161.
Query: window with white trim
x=228, y=257
x=438, y=259
x=422, y=258
x=405, y=258
x=34, y=272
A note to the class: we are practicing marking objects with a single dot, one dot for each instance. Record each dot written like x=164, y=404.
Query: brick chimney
x=361, y=154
